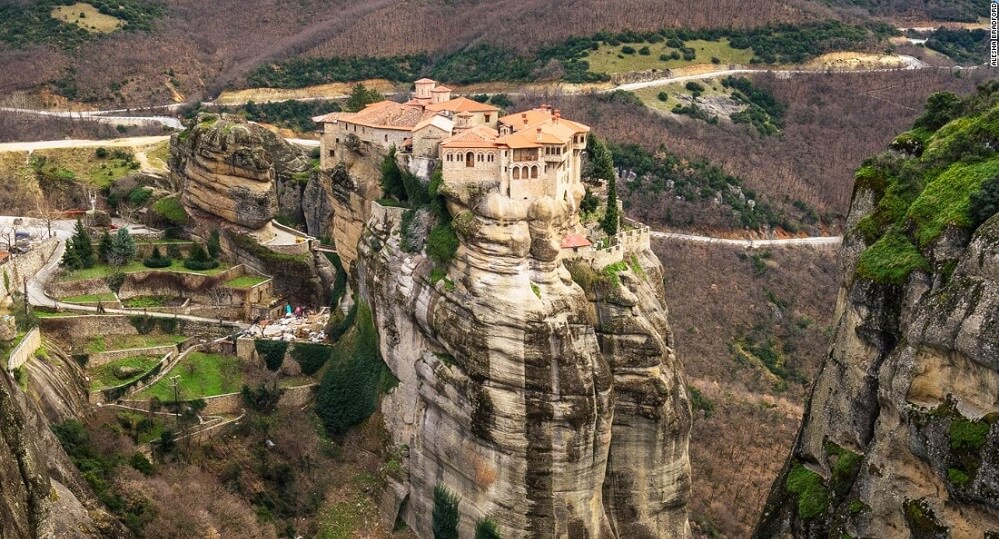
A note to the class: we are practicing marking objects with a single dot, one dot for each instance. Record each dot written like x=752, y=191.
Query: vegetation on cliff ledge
x=939, y=175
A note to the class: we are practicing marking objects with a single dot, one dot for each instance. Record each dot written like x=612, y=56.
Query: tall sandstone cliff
x=900, y=438
x=42, y=494
x=551, y=402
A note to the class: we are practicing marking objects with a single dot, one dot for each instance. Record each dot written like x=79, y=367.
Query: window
x=534, y=171
x=470, y=159
x=479, y=158
x=516, y=173
x=386, y=138
x=332, y=152
x=487, y=117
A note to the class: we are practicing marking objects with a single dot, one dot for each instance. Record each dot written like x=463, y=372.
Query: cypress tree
x=611, y=217
x=445, y=515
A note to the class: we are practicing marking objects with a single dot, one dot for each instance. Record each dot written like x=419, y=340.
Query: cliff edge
x=899, y=437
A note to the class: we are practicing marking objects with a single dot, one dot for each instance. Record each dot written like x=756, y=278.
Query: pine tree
x=445, y=515
x=104, y=247
x=83, y=246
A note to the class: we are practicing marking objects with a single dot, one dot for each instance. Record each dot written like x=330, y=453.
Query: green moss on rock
x=813, y=496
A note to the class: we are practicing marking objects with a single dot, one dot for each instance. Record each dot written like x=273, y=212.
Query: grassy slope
x=609, y=59
x=104, y=376
x=201, y=375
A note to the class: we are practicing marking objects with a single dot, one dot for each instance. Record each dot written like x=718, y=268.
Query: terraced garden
x=103, y=343
x=121, y=371
x=199, y=375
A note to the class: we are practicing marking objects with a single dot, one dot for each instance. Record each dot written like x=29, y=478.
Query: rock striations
x=900, y=438
x=544, y=391
x=230, y=168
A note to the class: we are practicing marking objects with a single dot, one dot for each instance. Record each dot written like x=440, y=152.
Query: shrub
x=101, y=153
x=590, y=202
x=157, y=260
x=694, y=87
x=445, y=514
x=272, y=352
x=392, y=184
x=813, y=497
x=264, y=399
x=442, y=244
x=310, y=356
x=139, y=196
x=984, y=203
x=348, y=392
x=199, y=261
x=644, y=51
x=674, y=43
x=627, y=49
x=941, y=108
x=662, y=96
x=485, y=528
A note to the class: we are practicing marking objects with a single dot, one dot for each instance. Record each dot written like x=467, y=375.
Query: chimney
x=558, y=115
x=523, y=116
x=537, y=136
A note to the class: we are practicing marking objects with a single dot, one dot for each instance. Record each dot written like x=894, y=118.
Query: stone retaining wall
x=75, y=330
x=97, y=359
x=23, y=266
x=25, y=349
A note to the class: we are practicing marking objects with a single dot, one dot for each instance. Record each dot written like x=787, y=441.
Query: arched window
x=479, y=158
x=470, y=159
x=534, y=171
x=386, y=137
x=516, y=173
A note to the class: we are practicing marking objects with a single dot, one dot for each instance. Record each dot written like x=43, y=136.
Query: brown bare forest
x=833, y=122
x=198, y=47
x=731, y=311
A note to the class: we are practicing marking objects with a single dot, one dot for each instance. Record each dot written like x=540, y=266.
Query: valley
x=595, y=269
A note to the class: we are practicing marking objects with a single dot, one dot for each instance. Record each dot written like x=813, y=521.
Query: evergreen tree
x=214, y=245
x=392, y=183
x=611, y=218
x=984, y=203
x=70, y=258
x=361, y=97
x=445, y=515
x=83, y=246
x=122, y=248
x=104, y=247
x=601, y=162
x=485, y=528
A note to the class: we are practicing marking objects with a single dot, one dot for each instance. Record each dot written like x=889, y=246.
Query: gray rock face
x=41, y=492
x=900, y=436
x=229, y=168
x=558, y=409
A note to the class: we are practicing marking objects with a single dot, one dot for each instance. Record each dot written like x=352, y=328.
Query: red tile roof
x=462, y=104
x=575, y=240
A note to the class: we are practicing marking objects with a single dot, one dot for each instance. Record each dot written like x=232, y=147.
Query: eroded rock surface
x=42, y=494
x=229, y=169
x=900, y=436
x=550, y=401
